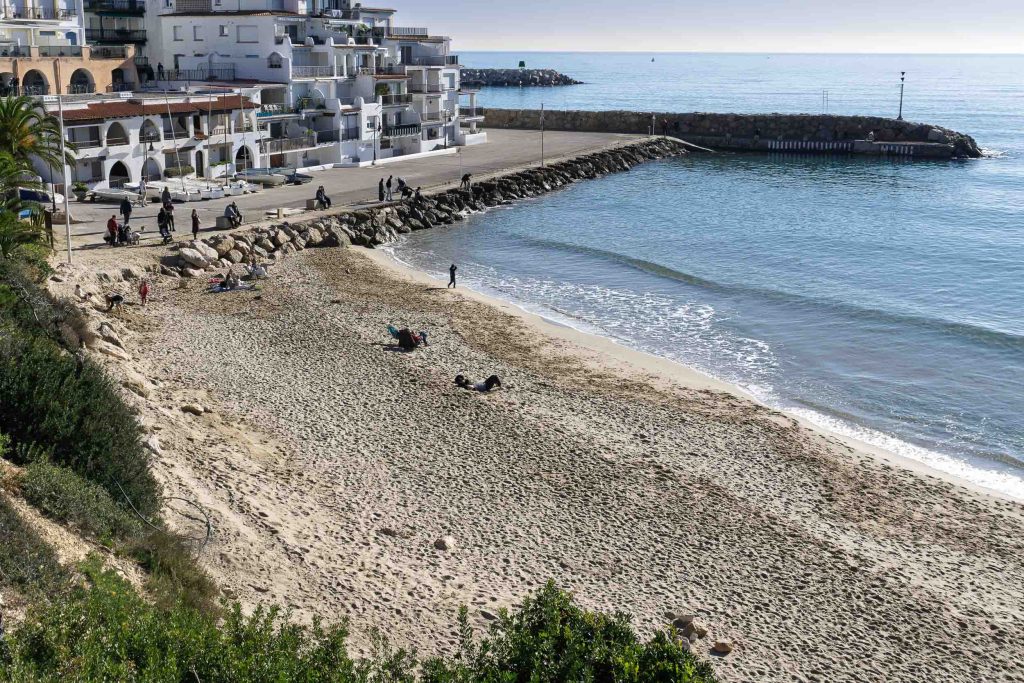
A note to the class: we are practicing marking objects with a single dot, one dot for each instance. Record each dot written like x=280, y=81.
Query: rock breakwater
x=381, y=225
x=754, y=132
x=479, y=78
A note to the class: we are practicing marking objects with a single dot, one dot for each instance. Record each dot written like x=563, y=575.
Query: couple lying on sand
x=491, y=382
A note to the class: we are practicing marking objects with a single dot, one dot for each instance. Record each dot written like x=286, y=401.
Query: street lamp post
x=376, y=136
x=903, y=76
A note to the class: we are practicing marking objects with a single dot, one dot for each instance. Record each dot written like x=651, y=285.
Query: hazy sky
x=723, y=25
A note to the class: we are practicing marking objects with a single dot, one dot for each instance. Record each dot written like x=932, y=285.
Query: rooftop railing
x=275, y=110
x=47, y=13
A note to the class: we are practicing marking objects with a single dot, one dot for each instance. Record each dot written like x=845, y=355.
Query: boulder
x=224, y=245
x=192, y=409
x=682, y=620
x=235, y=256
x=282, y=238
x=108, y=335
x=169, y=271
x=152, y=444
x=194, y=257
x=192, y=272
x=113, y=351
x=208, y=252
x=695, y=627
x=315, y=237
x=132, y=273
x=722, y=646
x=266, y=245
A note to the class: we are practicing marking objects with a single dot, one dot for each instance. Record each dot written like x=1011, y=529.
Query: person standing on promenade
x=170, y=216
x=389, y=185
x=380, y=190
x=195, y=224
x=126, y=210
x=112, y=230
x=451, y=276
x=165, y=196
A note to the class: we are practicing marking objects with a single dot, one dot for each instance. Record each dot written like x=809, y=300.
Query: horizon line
x=760, y=52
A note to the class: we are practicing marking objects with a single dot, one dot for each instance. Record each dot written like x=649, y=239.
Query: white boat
x=238, y=187
x=263, y=176
x=114, y=195
x=206, y=190
x=180, y=192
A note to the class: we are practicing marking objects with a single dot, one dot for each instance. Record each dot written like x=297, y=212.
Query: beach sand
x=331, y=464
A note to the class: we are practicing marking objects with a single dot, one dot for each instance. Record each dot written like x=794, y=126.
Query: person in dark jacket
x=380, y=190
x=451, y=275
x=195, y=224
x=126, y=210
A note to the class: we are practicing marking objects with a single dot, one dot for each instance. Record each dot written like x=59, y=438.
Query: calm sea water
x=881, y=299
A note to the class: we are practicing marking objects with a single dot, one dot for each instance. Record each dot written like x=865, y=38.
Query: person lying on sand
x=491, y=382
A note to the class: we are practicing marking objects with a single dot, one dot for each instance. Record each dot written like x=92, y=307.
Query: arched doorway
x=118, y=175
x=200, y=168
x=151, y=170
x=35, y=83
x=148, y=132
x=243, y=159
x=81, y=82
x=116, y=135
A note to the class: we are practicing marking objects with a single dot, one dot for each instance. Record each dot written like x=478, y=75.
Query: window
x=197, y=33
x=248, y=34
x=223, y=31
x=177, y=33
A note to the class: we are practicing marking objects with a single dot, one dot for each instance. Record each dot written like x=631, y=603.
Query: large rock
x=208, y=252
x=282, y=238
x=194, y=257
x=445, y=543
x=224, y=245
x=235, y=256
x=722, y=646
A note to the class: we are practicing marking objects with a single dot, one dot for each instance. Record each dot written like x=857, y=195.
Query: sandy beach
x=332, y=464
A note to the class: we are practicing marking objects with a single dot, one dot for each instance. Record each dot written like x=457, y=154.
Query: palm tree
x=16, y=174
x=27, y=132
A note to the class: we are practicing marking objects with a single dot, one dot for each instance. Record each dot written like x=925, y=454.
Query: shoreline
x=658, y=370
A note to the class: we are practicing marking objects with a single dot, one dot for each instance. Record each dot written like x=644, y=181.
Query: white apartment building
x=324, y=82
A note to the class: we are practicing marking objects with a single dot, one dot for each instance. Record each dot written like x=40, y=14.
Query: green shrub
x=550, y=638
x=174, y=575
x=178, y=171
x=49, y=397
x=66, y=497
x=104, y=631
x=26, y=561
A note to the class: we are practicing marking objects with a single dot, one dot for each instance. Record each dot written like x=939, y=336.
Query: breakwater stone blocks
x=479, y=78
x=379, y=225
x=757, y=132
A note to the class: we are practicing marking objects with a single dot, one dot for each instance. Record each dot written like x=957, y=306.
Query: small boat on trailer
x=263, y=176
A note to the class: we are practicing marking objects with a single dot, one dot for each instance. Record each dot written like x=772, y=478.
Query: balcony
x=312, y=103
x=150, y=137
x=116, y=142
x=437, y=60
x=312, y=71
x=403, y=131
x=408, y=31
x=472, y=112
x=45, y=13
x=109, y=52
x=131, y=8
x=426, y=88
x=268, y=110
x=60, y=50
x=281, y=145
x=432, y=116
x=115, y=36
x=393, y=70
x=396, y=99
x=221, y=73
x=86, y=144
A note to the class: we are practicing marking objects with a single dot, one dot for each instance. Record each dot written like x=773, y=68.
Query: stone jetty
x=379, y=225
x=799, y=133
x=479, y=78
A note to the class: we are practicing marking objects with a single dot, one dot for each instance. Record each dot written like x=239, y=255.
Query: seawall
x=478, y=78
x=380, y=225
x=802, y=133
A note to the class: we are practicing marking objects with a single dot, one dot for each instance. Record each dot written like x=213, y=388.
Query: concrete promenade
x=505, y=151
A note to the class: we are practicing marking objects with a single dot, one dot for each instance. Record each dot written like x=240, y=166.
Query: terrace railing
x=60, y=50
x=403, y=131
x=396, y=99
x=312, y=71
x=109, y=52
x=123, y=7
x=426, y=88
x=280, y=145
x=220, y=73
x=116, y=36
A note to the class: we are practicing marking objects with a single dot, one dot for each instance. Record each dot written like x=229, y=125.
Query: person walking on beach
x=380, y=190
x=195, y=224
x=388, y=185
x=143, y=291
x=126, y=210
x=451, y=276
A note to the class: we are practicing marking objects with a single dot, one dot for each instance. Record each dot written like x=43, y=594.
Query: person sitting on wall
x=233, y=215
x=323, y=201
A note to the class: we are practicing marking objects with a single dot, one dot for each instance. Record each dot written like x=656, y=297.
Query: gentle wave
x=995, y=337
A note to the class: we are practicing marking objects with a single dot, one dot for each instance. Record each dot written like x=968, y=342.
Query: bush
x=51, y=398
x=174, y=575
x=178, y=171
x=26, y=561
x=552, y=639
x=104, y=631
x=65, y=497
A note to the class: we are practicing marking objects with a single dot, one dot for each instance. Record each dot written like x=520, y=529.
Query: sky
x=878, y=26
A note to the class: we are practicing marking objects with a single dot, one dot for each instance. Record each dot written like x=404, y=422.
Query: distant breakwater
x=380, y=225
x=501, y=78
x=804, y=133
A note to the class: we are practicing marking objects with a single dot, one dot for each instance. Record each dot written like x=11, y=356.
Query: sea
x=881, y=299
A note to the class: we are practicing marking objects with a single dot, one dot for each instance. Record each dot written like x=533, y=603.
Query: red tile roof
x=130, y=108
